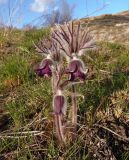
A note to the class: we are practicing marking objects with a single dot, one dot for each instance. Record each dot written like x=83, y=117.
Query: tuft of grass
x=15, y=70
x=34, y=36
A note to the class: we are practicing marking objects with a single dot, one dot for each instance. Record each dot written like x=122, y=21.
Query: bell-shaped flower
x=59, y=103
x=45, y=68
x=76, y=70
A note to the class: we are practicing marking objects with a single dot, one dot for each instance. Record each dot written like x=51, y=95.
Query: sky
x=27, y=11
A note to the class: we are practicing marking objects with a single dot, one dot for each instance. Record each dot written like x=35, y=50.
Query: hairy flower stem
x=59, y=128
x=74, y=107
x=57, y=117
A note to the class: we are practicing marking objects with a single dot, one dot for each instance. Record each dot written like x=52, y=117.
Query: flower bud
x=59, y=103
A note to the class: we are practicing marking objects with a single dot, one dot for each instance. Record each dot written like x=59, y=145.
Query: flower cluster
x=70, y=42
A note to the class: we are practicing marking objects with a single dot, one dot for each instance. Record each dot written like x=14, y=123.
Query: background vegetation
x=25, y=103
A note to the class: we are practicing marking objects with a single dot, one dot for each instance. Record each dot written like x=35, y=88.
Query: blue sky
x=31, y=9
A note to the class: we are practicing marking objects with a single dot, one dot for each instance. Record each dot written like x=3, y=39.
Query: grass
x=27, y=98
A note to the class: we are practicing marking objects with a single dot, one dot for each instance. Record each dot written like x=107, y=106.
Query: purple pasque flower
x=59, y=103
x=76, y=70
x=45, y=68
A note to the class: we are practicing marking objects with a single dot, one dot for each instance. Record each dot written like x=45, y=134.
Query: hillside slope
x=109, y=27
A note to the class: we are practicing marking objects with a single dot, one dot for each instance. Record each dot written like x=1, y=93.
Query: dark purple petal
x=76, y=70
x=59, y=104
x=44, y=69
x=75, y=65
x=45, y=62
x=78, y=74
x=39, y=72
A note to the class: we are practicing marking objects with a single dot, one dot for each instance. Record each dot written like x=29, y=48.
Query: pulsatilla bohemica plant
x=62, y=63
